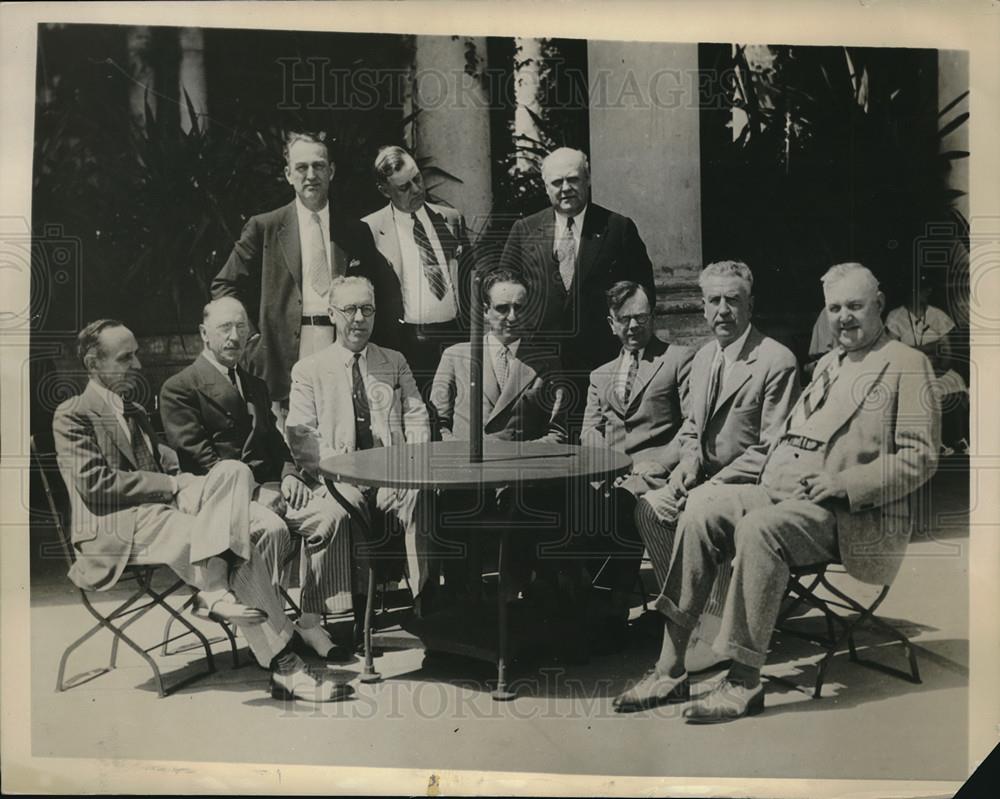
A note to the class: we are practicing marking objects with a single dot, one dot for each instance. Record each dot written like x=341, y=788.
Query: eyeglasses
x=351, y=311
x=505, y=308
x=641, y=319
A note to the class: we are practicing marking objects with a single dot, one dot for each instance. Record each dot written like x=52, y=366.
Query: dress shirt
x=224, y=370
x=420, y=306
x=624, y=361
x=493, y=347
x=312, y=303
x=730, y=354
x=918, y=331
x=379, y=403
x=577, y=228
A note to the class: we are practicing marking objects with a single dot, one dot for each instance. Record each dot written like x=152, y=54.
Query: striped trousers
x=656, y=516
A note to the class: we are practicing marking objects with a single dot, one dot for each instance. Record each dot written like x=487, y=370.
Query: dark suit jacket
x=610, y=250
x=647, y=428
x=264, y=272
x=206, y=421
x=449, y=225
x=530, y=407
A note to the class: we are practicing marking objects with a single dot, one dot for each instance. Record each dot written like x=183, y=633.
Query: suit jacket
x=387, y=272
x=647, y=427
x=530, y=407
x=320, y=422
x=264, y=272
x=610, y=250
x=731, y=443
x=206, y=420
x=884, y=445
x=98, y=465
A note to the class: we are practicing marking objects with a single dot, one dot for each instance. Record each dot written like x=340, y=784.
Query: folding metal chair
x=802, y=587
x=127, y=612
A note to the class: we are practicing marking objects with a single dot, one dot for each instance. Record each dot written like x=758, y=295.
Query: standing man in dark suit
x=636, y=403
x=571, y=255
x=743, y=386
x=422, y=281
x=282, y=266
x=213, y=410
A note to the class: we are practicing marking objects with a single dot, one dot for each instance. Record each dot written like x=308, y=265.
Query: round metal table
x=449, y=465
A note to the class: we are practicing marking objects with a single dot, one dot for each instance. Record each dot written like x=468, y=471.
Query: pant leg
x=769, y=540
x=324, y=526
x=656, y=516
x=251, y=585
x=413, y=512
x=705, y=534
x=271, y=538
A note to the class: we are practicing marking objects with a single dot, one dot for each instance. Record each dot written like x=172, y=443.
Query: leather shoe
x=725, y=701
x=318, y=641
x=225, y=608
x=307, y=684
x=653, y=690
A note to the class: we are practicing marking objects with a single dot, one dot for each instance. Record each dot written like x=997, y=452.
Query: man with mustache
x=215, y=410
x=571, y=254
x=835, y=485
x=282, y=266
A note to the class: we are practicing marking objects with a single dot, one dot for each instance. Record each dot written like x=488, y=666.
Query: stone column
x=453, y=128
x=646, y=162
x=191, y=78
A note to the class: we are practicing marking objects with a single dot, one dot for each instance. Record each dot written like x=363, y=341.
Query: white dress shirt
x=224, y=370
x=730, y=355
x=420, y=306
x=493, y=348
x=313, y=304
x=577, y=228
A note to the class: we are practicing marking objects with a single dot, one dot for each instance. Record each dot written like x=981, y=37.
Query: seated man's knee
x=755, y=533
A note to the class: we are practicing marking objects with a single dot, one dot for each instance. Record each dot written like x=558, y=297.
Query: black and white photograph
x=430, y=398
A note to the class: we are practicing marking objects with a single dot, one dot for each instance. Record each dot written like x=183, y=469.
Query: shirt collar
x=305, y=214
x=210, y=357
x=347, y=356
x=114, y=400
x=561, y=220
x=407, y=219
x=734, y=348
x=625, y=353
x=494, y=345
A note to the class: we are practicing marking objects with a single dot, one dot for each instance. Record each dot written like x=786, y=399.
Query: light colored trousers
x=764, y=535
x=210, y=518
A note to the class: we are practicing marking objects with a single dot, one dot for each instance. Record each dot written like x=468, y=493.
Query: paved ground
x=432, y=715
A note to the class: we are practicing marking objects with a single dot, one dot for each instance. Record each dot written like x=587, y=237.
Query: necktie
x=316, y=260
x=144, y=459
x=566, y=252
x=363, y=438
x=231, y=371
x=817, y=392
x=715, y=383
x=633, y=369
x=503, y=366
x=428, y=259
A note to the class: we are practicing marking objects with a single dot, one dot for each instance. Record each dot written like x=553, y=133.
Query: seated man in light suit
x=863, y=435
x=127, y=510
x=743, y=385
x=214, y=410
x=355, y=395
x=521, y=402
x=635, y=403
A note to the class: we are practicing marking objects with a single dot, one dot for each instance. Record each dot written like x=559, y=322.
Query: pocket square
x=354, y=263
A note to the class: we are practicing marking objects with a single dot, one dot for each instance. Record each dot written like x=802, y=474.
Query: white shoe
x=319, y=641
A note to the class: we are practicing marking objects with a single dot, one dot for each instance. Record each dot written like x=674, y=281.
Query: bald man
x=214, y=410
x=571, y=254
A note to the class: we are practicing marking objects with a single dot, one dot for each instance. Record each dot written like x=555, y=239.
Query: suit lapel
x=491, y=386
x=387, y=240
x=218, y=390
x=107, y=427
x=739, y=373
x=862, y=384
x=649, y=365
x=592, y=237
x=519, y=376
x=288, y=241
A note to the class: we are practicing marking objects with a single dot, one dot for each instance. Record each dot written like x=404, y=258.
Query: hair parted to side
x=840, y=271
x=622, y=291
x=727, y=269
x=314, y=136
x=501, y=275
x=88, y=339
x=345, y=282
x=389, y=160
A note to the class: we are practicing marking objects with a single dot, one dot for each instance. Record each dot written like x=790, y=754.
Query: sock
x=285, y=662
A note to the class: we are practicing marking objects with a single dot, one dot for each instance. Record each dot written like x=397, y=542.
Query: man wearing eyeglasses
x=354, y=395
x=282, y=266
x=522, y=401
x=636, y=403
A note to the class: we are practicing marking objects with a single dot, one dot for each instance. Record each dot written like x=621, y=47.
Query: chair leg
x=168, y=626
